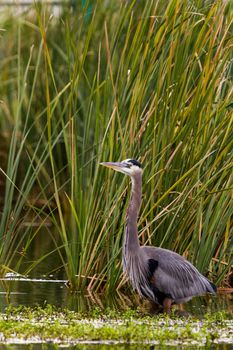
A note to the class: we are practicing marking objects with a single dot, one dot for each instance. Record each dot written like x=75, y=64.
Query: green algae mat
x=50, y=324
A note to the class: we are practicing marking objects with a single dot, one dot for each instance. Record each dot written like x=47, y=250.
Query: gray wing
x=175, y=276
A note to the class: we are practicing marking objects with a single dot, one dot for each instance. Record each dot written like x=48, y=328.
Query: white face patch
x=135, y=169
x=131, y=169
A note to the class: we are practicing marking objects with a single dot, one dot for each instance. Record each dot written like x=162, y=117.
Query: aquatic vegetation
x=142, y=79
x=64, y=326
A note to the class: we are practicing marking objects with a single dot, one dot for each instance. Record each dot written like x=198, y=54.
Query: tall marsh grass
x=148, y=80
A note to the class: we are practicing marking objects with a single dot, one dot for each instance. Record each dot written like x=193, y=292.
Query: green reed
x=150, y=81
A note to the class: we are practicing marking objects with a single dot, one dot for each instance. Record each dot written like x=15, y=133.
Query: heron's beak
x=113, y=165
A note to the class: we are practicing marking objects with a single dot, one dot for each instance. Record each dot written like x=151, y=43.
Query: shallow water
x=38, y=289
x=112, y=347
x=16, y=290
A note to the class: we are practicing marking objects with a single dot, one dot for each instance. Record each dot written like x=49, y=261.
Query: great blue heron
x=157, y=274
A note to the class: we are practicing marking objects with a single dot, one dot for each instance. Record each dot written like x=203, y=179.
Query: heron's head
x=129, y=167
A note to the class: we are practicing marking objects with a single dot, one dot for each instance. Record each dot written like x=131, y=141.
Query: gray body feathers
x=176, y=277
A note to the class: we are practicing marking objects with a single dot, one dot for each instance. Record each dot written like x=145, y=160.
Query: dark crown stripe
x=135, y=162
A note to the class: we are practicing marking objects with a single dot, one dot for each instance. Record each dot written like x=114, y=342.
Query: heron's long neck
x=131, y=241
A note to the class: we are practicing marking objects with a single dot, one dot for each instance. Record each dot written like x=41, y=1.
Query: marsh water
x=16, y=290
x=43, y=287
x=41, y=290
x=110, y=347
x=54, y=292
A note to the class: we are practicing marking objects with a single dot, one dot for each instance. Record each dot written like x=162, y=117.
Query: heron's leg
x=180, y=307
x=167, y=305
x=181, y=311
x=154, y=308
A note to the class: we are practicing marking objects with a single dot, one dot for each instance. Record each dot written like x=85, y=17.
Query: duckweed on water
x=65, y=326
